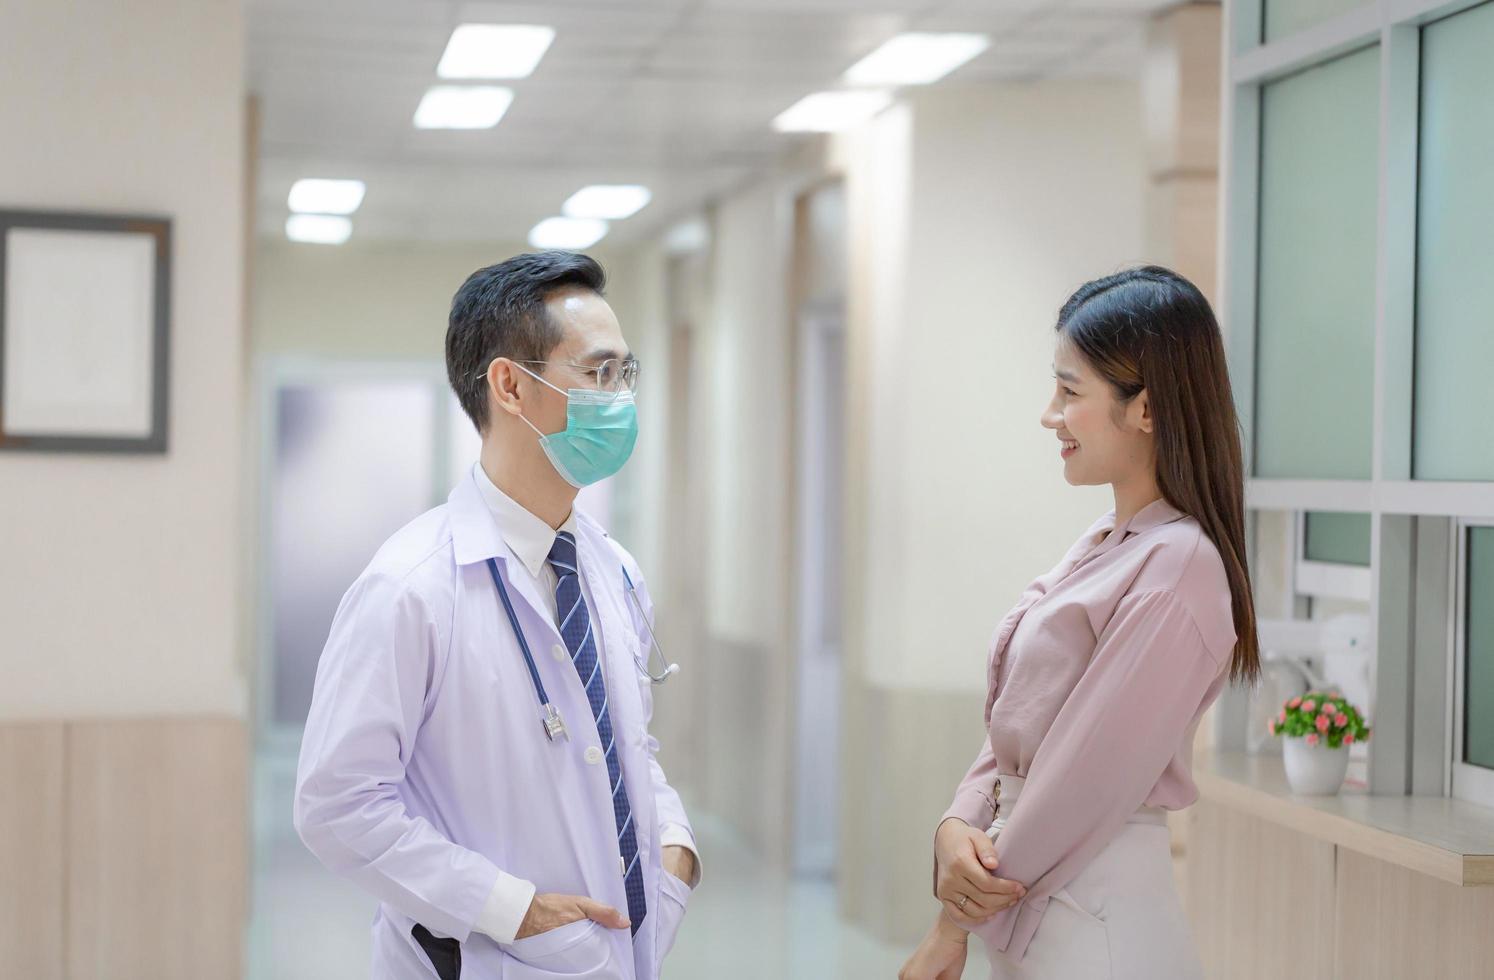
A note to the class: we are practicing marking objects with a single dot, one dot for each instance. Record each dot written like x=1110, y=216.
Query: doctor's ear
x=502, y=382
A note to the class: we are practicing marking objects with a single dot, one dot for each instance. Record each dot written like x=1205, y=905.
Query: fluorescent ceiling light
x=319, y=229
x=463, y=106
x=687, y=237
x=829, y=112
x=312, y=195
x=611, y=202
x=567, y=233
x=916, y=59
x=494, y=50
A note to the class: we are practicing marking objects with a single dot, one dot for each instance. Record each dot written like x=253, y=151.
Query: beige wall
x=374, y=300
x=118, y=574
x=122, y=737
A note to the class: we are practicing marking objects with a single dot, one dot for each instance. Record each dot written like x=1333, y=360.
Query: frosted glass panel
x=1340, y=538
x=1455, y=243
x=353, y=464
x=1316, y=300
x=1284, y=17
x=1478, y=667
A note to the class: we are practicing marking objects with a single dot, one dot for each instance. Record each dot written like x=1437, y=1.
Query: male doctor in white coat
x=506, y=810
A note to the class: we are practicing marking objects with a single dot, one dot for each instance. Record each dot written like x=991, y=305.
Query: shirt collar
x=1104, y=535
x=1154, y=514
x=527, y=536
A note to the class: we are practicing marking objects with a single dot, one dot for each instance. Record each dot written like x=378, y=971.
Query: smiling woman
x=1055, y=850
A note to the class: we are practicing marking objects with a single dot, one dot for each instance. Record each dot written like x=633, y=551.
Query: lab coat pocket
x=579, y=949
x=674, y=896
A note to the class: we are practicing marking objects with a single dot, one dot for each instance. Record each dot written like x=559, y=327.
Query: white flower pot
x=1315, y=770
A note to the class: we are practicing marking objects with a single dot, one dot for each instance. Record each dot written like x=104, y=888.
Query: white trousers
x=1119, y=920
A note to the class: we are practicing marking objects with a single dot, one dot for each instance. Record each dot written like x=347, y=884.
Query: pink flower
x=1270, y=726
x=1312, y=738
x=1309, y=705
x=1282, y=717
x=1348, y=738
x=1294, y=702
x=1341, y=719
x=1322, y=723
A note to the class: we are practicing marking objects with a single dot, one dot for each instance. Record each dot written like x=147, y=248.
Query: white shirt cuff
x=678, y=835
x=505, y=908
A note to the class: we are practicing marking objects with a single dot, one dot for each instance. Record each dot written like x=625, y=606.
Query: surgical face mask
x=600, y=430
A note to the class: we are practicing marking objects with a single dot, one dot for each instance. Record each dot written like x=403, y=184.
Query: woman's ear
x=1140, y=411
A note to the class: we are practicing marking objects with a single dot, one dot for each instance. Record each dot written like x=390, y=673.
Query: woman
x=1098, y=678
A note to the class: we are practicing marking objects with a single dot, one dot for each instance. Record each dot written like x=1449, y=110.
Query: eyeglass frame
x=628, y=386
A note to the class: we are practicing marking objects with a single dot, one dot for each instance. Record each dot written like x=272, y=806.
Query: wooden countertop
x=1446, y=838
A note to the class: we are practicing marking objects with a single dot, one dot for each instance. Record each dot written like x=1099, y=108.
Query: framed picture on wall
x=84, y=332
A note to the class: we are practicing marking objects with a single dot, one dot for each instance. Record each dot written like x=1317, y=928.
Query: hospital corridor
x=746, y=489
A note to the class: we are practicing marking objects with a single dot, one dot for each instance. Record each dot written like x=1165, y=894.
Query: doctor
x=477, y=755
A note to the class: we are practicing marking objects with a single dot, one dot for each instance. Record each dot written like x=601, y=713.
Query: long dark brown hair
x=1150, y=328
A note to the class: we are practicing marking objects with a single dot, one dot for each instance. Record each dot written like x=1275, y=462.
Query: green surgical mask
x=600, y=430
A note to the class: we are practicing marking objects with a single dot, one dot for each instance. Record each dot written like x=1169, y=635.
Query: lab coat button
x=593, y=754
x=558, y=652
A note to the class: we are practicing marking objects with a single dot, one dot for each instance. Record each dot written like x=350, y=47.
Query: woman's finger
x=960, y=918
x=979, y=906
x=1007, y=888
x=972, y=877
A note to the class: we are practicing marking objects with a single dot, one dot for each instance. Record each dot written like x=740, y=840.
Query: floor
x=748, y=922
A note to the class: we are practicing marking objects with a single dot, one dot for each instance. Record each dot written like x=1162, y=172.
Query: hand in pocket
x=551, y=911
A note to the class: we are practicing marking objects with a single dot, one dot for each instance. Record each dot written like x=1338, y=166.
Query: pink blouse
x=1097, y=681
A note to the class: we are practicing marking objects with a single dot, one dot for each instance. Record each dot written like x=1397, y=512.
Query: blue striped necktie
x=575, y=629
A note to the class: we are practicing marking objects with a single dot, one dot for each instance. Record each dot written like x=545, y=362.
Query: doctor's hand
x=679, y=862
x=941, y=955
x=966, y=883
x=552, y=911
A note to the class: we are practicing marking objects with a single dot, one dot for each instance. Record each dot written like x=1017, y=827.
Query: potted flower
x=1319, y=727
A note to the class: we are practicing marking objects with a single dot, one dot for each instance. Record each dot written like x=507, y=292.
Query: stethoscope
x=549, y=714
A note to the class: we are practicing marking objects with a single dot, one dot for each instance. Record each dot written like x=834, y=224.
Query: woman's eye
x=1071, y=392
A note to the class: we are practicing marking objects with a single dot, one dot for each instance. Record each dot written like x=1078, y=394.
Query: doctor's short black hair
x=500, y=312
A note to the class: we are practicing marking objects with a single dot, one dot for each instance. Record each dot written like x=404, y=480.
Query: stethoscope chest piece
x=555, y=725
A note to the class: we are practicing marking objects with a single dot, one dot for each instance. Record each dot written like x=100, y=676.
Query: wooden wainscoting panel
x=1261, y=898
x=1394, y=923
x=157, y=877
x=32, y=859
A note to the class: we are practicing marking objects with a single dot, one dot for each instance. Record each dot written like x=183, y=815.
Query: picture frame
x=85, y=314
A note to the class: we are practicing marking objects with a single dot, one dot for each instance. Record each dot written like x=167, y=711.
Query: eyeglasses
x=612, y=375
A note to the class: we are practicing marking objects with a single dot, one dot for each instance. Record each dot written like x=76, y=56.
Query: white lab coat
x=425, y=773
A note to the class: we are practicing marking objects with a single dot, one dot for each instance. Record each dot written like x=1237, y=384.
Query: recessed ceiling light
x=567, y=233
x=829, y=112
x=611, y=202
x=494, y=50
x=319, y=229
x=916, y=59
x=463, y=106
x=312, y=195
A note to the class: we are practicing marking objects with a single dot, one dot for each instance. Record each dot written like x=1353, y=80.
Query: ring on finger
x=964, y=899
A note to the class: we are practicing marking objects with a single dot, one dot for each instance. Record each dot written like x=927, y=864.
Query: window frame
x=1326, y=579
x=1464, y=780
x=1395, y=502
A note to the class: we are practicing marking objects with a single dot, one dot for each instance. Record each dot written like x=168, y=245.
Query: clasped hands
x=969, y=893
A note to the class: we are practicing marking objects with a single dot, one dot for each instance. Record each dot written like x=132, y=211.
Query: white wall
x=119, y=585
x=1011, y=197
x=973, y=215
